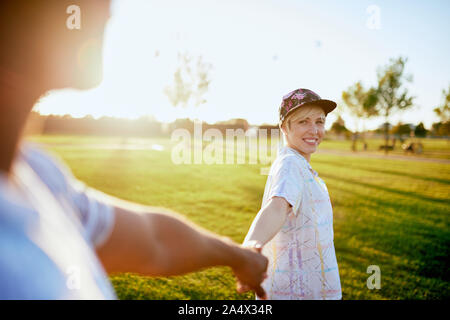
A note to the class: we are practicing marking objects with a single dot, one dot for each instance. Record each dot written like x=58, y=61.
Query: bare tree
x=190, y=81
x=391, y=97
x=443, y=111
x=361, y=104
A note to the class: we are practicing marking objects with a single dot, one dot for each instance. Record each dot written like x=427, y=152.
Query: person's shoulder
x=287, y=161
x=46, y=165
x=12, y=210
x=37, y=153
x=288, y=158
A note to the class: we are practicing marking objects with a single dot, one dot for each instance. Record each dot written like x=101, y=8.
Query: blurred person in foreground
x=295, y=224
x=57, y=236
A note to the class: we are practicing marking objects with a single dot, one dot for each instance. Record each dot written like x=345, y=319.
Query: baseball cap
x=301, y=97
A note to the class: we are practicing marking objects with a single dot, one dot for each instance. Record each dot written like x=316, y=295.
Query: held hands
x=252, y=272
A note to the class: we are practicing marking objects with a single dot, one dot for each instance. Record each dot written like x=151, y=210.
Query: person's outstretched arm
x=267, y=222
x=156, y=242
x=265, y=226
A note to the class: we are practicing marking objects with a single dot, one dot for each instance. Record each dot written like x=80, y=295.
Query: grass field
x=432, y=148
x=390, y=213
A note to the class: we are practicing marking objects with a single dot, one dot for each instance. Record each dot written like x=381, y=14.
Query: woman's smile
x=311, y=141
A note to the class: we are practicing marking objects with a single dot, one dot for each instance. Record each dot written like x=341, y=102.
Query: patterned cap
x=300, y=97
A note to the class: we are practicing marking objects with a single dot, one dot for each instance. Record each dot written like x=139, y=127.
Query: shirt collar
x=298, y=154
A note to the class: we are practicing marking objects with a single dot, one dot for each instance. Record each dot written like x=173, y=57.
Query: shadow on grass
x=386, y=189
x=383, y=171
x=427, y=247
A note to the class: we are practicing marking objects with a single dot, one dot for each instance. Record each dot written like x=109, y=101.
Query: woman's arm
x=156, y=242
x=268, y=222
x=265, y=226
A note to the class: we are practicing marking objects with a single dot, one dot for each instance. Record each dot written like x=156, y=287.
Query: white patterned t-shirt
x=50, y=225
x=302, y=259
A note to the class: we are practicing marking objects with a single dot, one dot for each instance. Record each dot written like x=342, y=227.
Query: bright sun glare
x=259, y=51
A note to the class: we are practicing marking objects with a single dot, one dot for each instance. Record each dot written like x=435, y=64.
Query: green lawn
x=390, y=213
x=432, y=148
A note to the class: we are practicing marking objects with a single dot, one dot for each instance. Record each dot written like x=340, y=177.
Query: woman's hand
x=265, y=226
x=242, y=284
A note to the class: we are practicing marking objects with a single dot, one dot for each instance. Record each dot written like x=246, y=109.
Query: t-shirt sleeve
x=287, y=181
x=95, y=214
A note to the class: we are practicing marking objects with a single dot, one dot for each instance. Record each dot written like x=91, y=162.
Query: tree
x=361, y=103
x=338, y=127
x=442, y=128
x=190, y=82
x=401, y=129
x=391, y=97
x=420, y=131
x=239, y=122
x=443, y=111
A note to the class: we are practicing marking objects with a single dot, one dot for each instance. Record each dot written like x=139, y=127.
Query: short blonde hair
x=302, y=113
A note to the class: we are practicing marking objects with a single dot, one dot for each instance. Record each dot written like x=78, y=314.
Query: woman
x=295, y=224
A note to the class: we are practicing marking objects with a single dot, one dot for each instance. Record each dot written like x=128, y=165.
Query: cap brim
x=326, y=105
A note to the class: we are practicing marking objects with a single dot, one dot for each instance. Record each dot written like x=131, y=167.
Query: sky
x=261, y=50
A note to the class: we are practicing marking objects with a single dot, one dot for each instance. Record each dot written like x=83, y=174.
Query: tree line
x=109, y=126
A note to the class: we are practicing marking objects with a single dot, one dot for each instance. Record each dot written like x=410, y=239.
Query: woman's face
x=305, y=131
